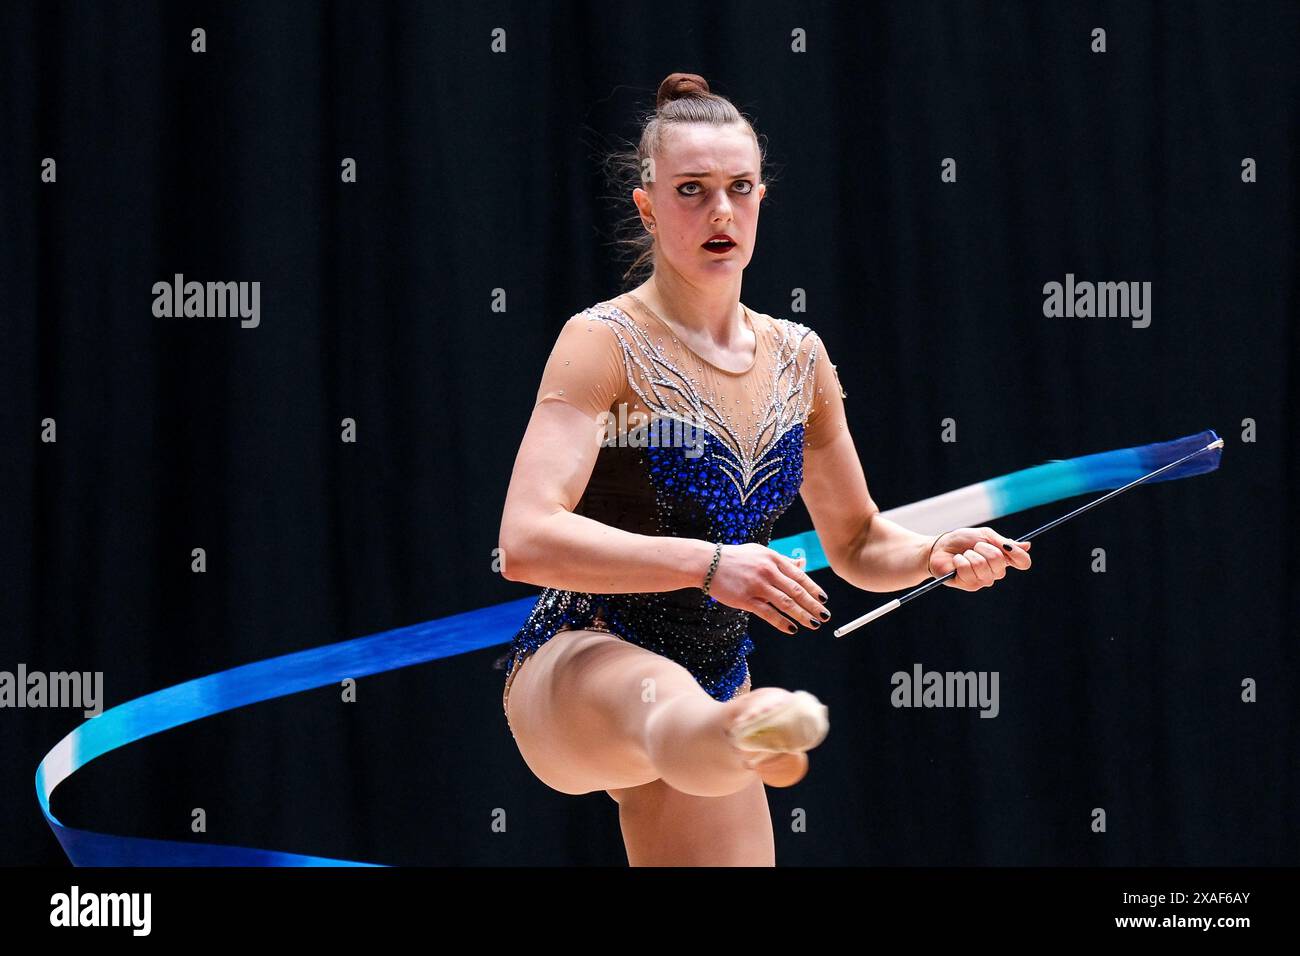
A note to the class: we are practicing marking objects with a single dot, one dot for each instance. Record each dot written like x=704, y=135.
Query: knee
x=556, y=777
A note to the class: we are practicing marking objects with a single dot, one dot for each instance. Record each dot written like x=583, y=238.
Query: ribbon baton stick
x=930, y=585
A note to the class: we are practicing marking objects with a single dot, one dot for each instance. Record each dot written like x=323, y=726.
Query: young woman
x=673, y=426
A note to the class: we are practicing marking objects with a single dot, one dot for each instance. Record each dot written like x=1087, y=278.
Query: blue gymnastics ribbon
x=490, y=626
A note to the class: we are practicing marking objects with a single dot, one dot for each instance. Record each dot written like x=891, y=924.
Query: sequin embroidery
x=670, y=393
x=746, y=475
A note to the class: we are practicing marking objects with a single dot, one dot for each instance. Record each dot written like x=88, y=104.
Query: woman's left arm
x=862, y=546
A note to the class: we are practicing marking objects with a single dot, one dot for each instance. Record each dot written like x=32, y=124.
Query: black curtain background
x=478, y=171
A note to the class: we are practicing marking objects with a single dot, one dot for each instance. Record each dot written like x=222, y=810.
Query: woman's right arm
x=544, y=543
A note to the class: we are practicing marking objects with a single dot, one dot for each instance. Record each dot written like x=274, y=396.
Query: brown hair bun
x=677, y=85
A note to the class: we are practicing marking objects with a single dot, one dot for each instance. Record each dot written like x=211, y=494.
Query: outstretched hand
x=979, y=557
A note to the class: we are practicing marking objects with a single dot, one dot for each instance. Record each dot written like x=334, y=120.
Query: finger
x=807, y=583
x=1009, y=545
x=996, y=557
x=980, y=567
x=992, y=537
x=965, y=579
x=792, y=608
x=802, y=589
x=1017, y=552
x=1019, y=557
x=760, y=606
x=985, y=572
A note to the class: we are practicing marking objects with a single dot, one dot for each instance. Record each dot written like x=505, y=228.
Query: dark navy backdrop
x=478, y=171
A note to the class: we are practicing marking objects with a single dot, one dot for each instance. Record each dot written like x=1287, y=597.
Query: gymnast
x=630, y=675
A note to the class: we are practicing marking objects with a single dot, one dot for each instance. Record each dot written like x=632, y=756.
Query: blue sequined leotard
x=718, y=456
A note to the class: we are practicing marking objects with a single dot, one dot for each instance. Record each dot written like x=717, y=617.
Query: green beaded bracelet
x=708, y=578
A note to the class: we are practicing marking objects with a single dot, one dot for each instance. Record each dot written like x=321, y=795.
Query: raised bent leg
x=590, y=711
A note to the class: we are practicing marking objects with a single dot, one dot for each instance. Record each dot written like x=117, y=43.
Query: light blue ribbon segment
x=1058, y=480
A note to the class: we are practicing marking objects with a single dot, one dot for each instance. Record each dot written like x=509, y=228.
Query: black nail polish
x=826, y=615
x=792, y=629
x=1007, y=547
x=823, y=598
x=814, y=624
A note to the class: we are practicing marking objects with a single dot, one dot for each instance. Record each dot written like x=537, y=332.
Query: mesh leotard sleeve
x=585, y=368
x=826, y=417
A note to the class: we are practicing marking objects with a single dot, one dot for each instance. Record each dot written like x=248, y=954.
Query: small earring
x=651, y=226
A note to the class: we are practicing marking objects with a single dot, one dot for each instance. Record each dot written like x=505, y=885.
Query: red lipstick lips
x=720, y=243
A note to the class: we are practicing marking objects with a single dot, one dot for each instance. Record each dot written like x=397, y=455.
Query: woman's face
x=705, y=183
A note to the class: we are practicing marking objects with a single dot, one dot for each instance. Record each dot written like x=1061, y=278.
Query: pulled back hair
x=682, y=98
